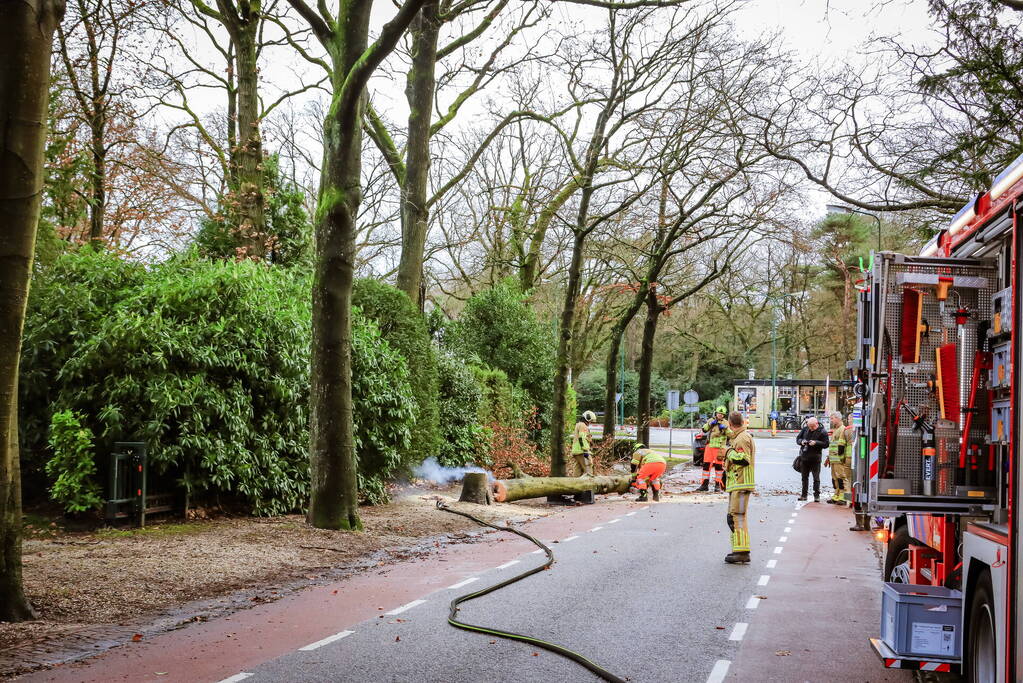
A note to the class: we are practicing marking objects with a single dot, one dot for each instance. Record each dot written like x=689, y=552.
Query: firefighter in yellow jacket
x=838, y=457
x=582, y=453
x=740, y=456
x=713, y=455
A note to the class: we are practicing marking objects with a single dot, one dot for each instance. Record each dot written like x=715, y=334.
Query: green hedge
x=208, y=363
x=463, y=440
x=405, y=329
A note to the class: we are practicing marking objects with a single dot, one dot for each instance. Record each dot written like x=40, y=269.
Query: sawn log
x=507, y=490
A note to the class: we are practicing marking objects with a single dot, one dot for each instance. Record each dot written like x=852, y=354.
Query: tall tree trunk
x=232, y=115
x=419, y=91
x=26, y=36
x=334, y=497
x=646, y=362
x=611, y=364
x=248, y=155
x=564, y=357
x=98, y=177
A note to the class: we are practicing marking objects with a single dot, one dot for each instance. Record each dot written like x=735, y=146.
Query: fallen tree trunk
x=507, y=490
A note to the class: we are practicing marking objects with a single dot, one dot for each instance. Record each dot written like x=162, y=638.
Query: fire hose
x=557, y=649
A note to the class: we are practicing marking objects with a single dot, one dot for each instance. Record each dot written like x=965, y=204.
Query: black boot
x=657, y=495
x=704, y=486
x=642, y=496
x=737, y=557
x=802, y=497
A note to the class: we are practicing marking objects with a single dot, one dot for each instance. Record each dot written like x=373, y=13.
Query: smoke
x=433, y=471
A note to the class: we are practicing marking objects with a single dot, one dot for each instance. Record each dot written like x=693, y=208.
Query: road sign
x=618, y=396
x=691, y=398
x=690, y=409
x=672, y=400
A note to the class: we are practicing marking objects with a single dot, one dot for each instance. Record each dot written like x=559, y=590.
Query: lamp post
x=841, y=208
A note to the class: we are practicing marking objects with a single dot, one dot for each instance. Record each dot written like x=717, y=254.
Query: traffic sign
x=690, y=409
x=672, y=399
x=691, y=398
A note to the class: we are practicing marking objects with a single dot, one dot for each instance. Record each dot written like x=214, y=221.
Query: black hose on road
x=557, y=649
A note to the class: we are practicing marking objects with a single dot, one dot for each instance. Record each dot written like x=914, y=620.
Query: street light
x=841, y=208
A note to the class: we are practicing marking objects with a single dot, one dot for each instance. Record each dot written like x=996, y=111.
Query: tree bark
x=646, y=363
x=248, y=154
x=420, y=90
x=564, y=357
x=508, y=490
x=26, y=36
x=476, y=489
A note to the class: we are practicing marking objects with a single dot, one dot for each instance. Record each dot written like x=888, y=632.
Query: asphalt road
x=646, y=595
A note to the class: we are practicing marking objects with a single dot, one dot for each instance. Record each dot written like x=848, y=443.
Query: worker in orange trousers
x=648, y=466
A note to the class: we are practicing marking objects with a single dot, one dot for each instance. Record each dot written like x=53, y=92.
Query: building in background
x=796, y=400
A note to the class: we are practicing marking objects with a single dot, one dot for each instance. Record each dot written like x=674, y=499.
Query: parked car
x=699, y=445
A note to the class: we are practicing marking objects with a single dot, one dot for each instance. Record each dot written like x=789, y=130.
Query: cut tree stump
x=476, y=489
x=507, y=490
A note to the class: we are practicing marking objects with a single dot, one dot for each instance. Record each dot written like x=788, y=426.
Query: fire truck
x=937, y=379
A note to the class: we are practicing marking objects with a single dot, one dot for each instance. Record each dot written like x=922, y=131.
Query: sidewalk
x=823, y=601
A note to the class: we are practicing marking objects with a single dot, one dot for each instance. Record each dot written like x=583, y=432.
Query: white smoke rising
x=433, y=471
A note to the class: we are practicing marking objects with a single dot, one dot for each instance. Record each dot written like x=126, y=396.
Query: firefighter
x=739, y=463
x=648, y=467
x=713, y=454
x=838, y=456
x=582, y=453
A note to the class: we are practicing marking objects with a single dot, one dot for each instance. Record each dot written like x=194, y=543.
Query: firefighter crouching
x=582, y=453
x=648, y=466
x=739, y=462
x=714, y=453
x=838, y=459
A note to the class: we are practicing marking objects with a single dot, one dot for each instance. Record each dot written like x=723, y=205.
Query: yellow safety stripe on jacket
x=644, y=456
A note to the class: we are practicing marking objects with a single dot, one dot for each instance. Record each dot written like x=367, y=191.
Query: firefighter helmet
x=588, y=416
x=722, y=410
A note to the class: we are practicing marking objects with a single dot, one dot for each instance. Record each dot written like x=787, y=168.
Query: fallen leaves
x=136, y=638
x=783, y=653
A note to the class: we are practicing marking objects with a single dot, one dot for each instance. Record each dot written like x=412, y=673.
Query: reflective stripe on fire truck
x=874, y=447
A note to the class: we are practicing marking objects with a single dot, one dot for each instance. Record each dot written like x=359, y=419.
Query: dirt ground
x=112, y=576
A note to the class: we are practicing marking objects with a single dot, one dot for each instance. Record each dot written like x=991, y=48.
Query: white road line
x=405, y=608
x=771, y=564
x=777, y=551
x=570, y=538
x=631, y=514
x=466, y=582
x=753, y=603
x=738, y=631
x=325, y=641
x=720, y=670
x=507, y=564
x=536, y=552
x=788, y=530
x=794, y=514
x=596, y=528
x=763, y=580
x=646, y=507
x=238, y=677
x=615, y=521
x=783, y=539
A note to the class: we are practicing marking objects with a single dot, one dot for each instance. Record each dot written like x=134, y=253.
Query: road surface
x=640, y=589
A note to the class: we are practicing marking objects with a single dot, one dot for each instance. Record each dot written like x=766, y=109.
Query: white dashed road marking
x=570, y=538
x=646, y=507
x=738, y=631
x=788, y=530
x=720, y=670
x=783, y=539
x=615, y=521
x=507, y=564
x=321, y=643
x=763, y=580
x=771, y=564
x=237, y=677
x=466, y=582
x=631, y=514
x=596, y=528
x=777, y=551
x=405, y=608
x=753, y=603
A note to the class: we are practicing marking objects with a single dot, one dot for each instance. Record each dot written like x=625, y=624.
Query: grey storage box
x=922, y=621
x=1001, y=425
x=1001, y=368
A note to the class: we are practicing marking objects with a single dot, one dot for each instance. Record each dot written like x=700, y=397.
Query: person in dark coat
x=812, y=440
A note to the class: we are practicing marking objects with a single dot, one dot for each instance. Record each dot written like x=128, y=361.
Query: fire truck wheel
x=896, y=560
x=981, y=664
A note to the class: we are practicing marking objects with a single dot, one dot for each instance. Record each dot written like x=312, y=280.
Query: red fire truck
x=938, y=375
